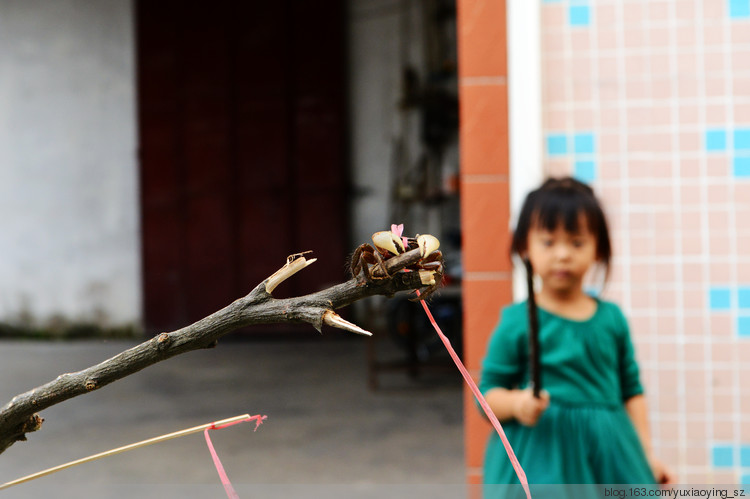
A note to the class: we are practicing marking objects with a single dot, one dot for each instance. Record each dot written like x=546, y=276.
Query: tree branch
x=19, y=416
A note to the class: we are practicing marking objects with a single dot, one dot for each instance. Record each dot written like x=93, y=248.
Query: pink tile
x=686, y=35
x=692, y=245
x=713, y=62
x=743, y=269
x=691, y=326
x=608, y=67
x=584, y=118
x=718, y=220
x=721, y=326
x=557, y=167
x=718, y=166
x=687, y=86
x=668, y=431
x=692, y=273
x=607, y=38
x=666, y=324
x=606, y=14
x=719, y=271
x=721, y=353
x=582, y=90
x=714, y=11
x=609, y=143
x=723, y=430
x=665, y=272
x=721, y=378
x=715, y=86
x=697, y=456
x=553, y=42
x=665, y=245
x=742, y=193
x=720, y=245
x=690, y=195
x=741, y=84
x=741, y=112
x=690, y=167
x=634, y=38
x=659, y=37
x=554, y=89
x=689, y=114
x=716, y=114
x=636, y=64
x=739, y=33
x=580, y=41
x=661, y=88
x=739, y=57
x=691, y=141
x=658, y=10
x=713, y=34
x=718, y=193
x=637, y=89
x=687, y=63
x=640, y=273
x=640, y=299
x=609, y=118
x=695, y=352
x=694, y=300
x=696, y=430
x=554, y=16
x=555, y=119
x=634, y=14
x=668, y=380
x=723, y=403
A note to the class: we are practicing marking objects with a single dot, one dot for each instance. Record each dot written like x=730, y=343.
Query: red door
x=242, y=148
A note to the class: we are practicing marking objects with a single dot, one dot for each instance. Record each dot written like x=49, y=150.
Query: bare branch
x=19, y=416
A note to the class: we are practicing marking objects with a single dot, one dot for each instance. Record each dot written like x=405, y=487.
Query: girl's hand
x=662, y=473
x=527, y=408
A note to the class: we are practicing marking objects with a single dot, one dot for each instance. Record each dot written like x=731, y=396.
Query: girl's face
x=562, y=258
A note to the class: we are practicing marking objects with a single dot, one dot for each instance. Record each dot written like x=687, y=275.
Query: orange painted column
x=485, y=196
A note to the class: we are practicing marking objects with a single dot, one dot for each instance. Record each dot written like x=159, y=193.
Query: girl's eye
x=547, y=242
x=578, y=243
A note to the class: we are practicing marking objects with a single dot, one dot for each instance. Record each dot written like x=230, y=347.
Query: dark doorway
x=242, y=149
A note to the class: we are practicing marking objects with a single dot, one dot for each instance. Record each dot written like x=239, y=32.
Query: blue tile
x=720, y=299
x=739, y=8
x=551, y=1
x=716, y=140
x=745, y=480
x=723, y=456
x=741, y=166
x=557, y=144
x=743, y=326
x=743, y=295
x=583, y=143
x=579, y=15
x=742, y=138
x=585, y=171
x=745, y=456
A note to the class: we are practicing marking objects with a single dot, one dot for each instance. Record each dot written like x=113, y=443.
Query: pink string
x=485, y=406
x=217, y=462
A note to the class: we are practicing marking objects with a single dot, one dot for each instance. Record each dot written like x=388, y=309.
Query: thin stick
x=125, y=448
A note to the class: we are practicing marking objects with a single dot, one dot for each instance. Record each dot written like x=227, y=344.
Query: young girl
x=589, y=424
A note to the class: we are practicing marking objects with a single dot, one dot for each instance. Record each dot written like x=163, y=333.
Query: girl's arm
x=637, y=409
x=517, y=404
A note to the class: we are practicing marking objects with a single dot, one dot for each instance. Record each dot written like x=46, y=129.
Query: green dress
x=589, y=369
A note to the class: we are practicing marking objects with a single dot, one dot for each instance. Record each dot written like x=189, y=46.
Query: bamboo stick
x=137, y=445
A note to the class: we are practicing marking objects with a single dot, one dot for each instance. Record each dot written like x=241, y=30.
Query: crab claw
x=427, y=244
x=388, y=241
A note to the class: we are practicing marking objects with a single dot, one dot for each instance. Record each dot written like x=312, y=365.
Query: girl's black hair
x=557, y=201
x=563, y=201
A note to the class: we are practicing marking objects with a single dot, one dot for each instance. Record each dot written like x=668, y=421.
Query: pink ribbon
x=217, y=462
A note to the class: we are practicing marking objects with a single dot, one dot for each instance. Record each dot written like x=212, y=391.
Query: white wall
x=68, y=173
x=384, y=35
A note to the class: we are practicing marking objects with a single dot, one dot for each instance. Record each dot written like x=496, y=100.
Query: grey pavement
x=326, y=434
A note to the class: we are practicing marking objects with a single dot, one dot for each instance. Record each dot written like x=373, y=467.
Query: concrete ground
x=326, y=434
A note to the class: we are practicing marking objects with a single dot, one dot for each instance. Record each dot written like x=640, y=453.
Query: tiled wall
x=649, y=100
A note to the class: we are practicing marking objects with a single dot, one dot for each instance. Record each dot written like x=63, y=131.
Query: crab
x=368, y=262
